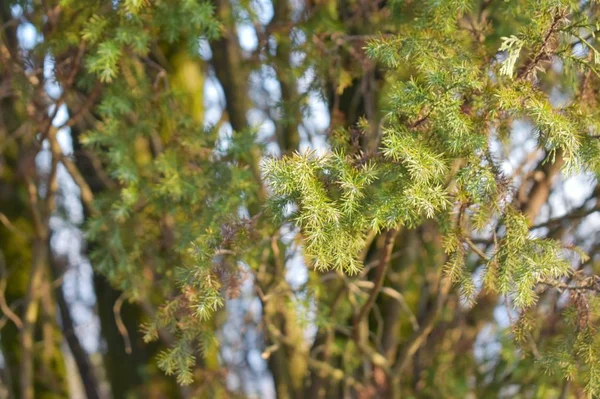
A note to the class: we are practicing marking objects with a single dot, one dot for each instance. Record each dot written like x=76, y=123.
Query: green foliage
x=134, y=24
x=446, y=104
x=422, y=163
x=575, y=355
x=425, y=102
x=330, y=197
x=524, y=261
x=512, y=45
x=189, y=175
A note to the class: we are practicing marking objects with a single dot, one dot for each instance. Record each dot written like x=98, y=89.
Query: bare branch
x=119, y=321
x=384, y=261
x=10, y=226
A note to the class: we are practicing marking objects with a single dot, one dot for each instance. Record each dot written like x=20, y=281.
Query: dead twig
x=120, y=325
x=10, y=226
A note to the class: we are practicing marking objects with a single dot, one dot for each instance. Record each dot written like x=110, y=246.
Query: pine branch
x=559, y=16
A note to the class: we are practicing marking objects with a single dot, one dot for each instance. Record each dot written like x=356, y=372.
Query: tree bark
x=82, y=360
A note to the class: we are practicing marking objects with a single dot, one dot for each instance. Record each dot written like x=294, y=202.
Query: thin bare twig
x=120, y=325
x=53, y=176
x=8, y=312
x=418, y=338
x=578, y=213
x=9, y=225
x=394, y=294
x=384, y=261
x=591, y=284
x=66, y=87
x=476, y=249
x=87, y=196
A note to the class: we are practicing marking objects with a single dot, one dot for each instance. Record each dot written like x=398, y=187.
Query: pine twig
x=543, y=51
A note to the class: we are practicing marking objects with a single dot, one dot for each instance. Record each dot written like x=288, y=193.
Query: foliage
x=420, y=216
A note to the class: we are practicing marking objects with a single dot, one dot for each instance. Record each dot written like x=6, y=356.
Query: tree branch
x=418, y=338
x=384, y=261
x=543, y=51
